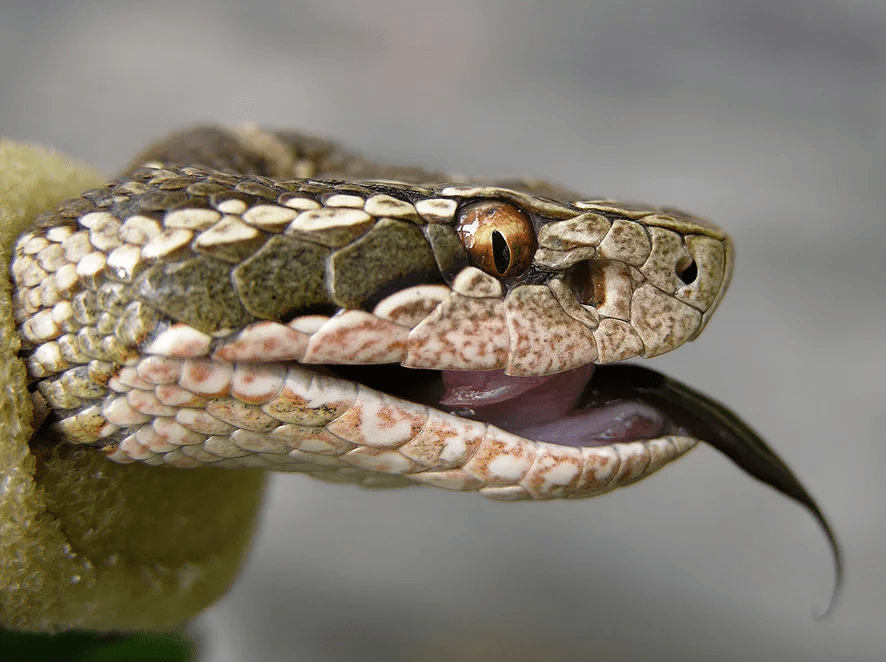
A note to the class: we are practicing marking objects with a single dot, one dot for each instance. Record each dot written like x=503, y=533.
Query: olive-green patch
x=390, y=256
x=449, y=252
x=198, y=292
x=285, y=278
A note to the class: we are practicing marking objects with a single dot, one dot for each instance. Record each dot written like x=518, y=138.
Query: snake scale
x=251, y=298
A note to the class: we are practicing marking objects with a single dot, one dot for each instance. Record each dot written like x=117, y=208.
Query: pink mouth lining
x=546, y=408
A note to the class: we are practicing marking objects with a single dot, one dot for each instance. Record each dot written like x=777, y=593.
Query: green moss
x=85, y=543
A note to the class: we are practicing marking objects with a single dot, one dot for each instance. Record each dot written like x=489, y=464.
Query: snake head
x=376, y=332
x=601, y=283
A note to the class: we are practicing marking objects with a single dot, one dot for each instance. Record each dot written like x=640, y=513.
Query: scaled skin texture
x=86, y=543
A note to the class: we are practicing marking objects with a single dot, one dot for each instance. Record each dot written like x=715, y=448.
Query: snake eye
x=498, y=236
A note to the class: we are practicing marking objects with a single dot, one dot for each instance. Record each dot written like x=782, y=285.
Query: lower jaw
x=592, y=408
x=621, y=410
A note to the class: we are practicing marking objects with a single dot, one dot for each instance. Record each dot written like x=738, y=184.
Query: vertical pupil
x=501, y=254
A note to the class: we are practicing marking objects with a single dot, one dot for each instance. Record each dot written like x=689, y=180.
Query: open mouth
x=593, y=405
x=587, y=406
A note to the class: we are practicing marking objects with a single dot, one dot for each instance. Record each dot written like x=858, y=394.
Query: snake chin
x=570, y=408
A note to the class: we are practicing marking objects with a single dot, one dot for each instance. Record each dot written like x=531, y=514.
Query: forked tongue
x=623, y=403
x=714, y=423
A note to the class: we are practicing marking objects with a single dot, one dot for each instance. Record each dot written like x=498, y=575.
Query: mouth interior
x=569, y=408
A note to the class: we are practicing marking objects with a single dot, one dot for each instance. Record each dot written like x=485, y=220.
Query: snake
x=259, y=298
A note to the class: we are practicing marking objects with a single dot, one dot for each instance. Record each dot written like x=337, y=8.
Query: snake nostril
x=686, y=270
x=580, y=278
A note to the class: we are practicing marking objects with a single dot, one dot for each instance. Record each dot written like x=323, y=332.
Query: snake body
x=247, y=298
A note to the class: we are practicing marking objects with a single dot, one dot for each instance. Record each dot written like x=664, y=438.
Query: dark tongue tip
x=712, y=422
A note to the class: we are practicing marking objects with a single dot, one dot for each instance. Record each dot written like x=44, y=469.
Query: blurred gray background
x=767, y=117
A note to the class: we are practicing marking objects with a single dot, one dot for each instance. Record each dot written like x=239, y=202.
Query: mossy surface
x=86, y=543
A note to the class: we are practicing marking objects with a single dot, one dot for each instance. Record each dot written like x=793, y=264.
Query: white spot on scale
x=166, y=242
x=91, y=265
x=191, y=219
x=103, y=234
x=386, y=461
x=41, y=326
x=308, y=323
x=257, y=383
x=211, y=378
x=301, y=204
x=410, y=306
x=59, y=233
x=379, y=420
x=438, y=210
x=77, y=246
x=66, y=278
x=123, y=261
x=269, y=217
x=344, y=200
x=51, y=258
x=561, y=473
x=200, y=421
x=131, y=447
x=119, y=412
x=349, y=223
x=229, y=230
x=264, y=342
x=158, y=370
x=232, y=206
x=139, y=230
x=33, y=245
x=508, y=467
x=355, y=336
x=385, y=205
x=97, y=219
x=180, y=341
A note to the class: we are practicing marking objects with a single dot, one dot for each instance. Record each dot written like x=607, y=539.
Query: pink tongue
x=543, y=408
x=490, y=395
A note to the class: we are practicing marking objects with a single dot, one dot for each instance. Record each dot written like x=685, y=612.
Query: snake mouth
x=591, y=406
x=587, y=406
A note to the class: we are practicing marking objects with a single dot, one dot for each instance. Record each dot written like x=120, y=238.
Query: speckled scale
x=112, y=298
x=158, y=201
x=296, y=267
x=315, y=188
x=206, y=189
x=176, y=183
x=449, y=253
x=70, y=209
x=391, y=256
x=197, y=291
x=258, y=189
